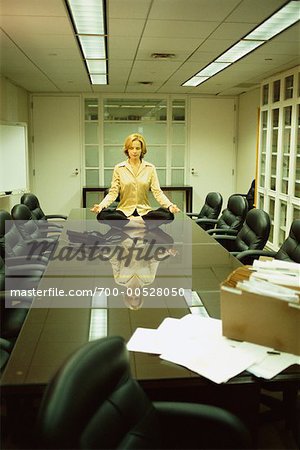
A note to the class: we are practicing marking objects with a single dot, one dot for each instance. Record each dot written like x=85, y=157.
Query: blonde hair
x=135, y=137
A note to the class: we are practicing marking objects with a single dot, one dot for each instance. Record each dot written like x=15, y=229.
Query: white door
x=212, y=148
x=56, y=153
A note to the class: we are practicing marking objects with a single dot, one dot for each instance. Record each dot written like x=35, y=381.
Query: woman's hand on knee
x=96, y=208
x=174, y=209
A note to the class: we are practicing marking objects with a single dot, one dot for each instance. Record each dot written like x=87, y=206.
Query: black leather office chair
x=32, y=229
x=231, y=219
x=5, y=349
x=33, y=204
x=13, y=312
x=253, y=235
x=16, y=251
x=210, y=210
x=289, y=250
x=250, y=195
x=93, y=402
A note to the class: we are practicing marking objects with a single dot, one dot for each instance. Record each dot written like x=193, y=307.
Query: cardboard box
x=260, y=319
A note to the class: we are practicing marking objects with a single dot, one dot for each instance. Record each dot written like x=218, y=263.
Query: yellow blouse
x=133, y=189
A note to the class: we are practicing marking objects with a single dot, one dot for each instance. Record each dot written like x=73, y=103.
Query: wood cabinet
x=279, y=153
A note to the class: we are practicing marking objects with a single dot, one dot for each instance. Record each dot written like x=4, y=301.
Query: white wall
x=13, y=108
x=247, y=135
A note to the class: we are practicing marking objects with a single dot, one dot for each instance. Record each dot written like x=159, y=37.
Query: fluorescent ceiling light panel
x=96, y=65
x=98, y=79
x=93, y=47
x=195, y=81
x=239, y=50
x=212, y=69
x=88, y=16
x=284, y=18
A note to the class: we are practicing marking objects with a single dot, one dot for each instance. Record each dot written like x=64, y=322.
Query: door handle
x=76, y=172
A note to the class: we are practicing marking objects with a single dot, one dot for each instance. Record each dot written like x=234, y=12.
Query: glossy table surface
x=187, y=260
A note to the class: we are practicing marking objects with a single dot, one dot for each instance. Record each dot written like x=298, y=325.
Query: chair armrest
x=227, y=241
x=207, y=221
x=223, y=231
x=251, y=255
x=56, y=216
x=224, y=237
x=26, y=261
x=192, y=214
x=191, y=425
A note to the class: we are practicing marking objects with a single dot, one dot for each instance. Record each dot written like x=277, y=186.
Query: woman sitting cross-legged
x=131, y=181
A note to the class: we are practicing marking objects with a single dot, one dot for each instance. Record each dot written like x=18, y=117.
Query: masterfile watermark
x=102, y=252
x=90, y=262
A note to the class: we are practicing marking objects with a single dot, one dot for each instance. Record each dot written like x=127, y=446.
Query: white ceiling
x=39, y=51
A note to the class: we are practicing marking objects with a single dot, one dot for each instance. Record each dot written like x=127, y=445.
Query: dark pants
x=162, y=215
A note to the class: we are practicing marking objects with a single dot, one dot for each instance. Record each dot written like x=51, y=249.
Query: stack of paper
x=272, y=278
x=197, y=343
x=278, y=272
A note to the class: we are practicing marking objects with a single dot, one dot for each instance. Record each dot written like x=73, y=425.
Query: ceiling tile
x=255, y=11
x=136, y=9
x=32, y=8
x=192, y=9
x=179, y=29
x=125, y=27
x=24, y=25
x=124, y=48
x=234, y=31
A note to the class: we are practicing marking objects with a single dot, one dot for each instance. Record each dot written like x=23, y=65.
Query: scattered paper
x=197, y=343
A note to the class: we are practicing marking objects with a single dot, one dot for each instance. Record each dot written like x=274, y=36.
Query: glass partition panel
x=178, y=110
x=178, y=133
x=161, y=173
x=177, y=177
x=272, y=216
x=260, y=201
x=177, y=156
x=296, y=212
x=113, y=155
x=157, y=155
x=91, y=109
x=274, y=146
x=91, y=156
x=91, y=133
x=92, y=177
x=276, y=91
x=108, y=177
x=116, y=135
x=288, y=87
x=118, y=109
x=154, y=133
x=265, y=94
x=282, y=224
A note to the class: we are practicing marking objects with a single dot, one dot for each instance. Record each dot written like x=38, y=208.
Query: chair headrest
x=30, y=200
x=214, y=199
x=238, y=205
x=258, y=221
x=21, y=212
x=295, y=230
x=5, y=217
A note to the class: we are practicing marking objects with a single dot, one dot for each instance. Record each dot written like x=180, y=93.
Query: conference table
x=178, y=271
